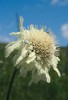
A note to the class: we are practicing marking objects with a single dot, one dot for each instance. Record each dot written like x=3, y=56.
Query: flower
x=37, y=51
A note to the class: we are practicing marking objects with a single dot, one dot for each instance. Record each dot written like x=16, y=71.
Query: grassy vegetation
x=56, y=90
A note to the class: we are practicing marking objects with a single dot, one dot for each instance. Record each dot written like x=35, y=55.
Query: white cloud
x=6, y=39
x=28, y=7
x=59, y=2
x=0, y=27
x=64, y=30
x=39, y=6
x=55, y=1
x=10, y=25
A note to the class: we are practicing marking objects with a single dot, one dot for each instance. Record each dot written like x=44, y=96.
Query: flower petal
x=20, y=24
x=23, y=71
x=55, y=68
x=31, y=58
x=22, y=55
x=11, y=47
x=16, y=33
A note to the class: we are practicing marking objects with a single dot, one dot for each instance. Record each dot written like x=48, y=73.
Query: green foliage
x=56, y=90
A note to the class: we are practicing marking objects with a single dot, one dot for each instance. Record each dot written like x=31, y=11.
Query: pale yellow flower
x=37, y=51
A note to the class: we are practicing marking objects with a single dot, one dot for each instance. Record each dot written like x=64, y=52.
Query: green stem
x=11, y=83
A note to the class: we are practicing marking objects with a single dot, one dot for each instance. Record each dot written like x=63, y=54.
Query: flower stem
x=11, y=83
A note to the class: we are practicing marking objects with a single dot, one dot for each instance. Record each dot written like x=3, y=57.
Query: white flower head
x=37, y=51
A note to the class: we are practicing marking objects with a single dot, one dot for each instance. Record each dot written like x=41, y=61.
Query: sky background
x=50, y=13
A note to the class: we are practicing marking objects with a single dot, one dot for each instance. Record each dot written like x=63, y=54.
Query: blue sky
x=50, y=13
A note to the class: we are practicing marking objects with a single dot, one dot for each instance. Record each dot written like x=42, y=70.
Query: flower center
x=42, y=45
